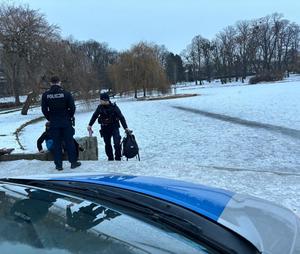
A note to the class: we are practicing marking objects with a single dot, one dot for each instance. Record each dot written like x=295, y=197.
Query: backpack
x=130, y=147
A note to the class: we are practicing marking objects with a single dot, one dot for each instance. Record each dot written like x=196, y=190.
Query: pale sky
x=172, y=23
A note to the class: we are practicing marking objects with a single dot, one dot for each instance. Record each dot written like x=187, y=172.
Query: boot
x=75, y=164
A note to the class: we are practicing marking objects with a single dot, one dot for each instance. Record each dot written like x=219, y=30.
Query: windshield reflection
x=38, y=221
x=86, y=216
x=46, y=220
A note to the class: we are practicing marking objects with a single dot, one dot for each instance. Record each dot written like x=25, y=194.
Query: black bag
x=130, y=147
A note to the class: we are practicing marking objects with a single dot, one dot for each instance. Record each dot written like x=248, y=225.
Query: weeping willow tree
x=138, y=69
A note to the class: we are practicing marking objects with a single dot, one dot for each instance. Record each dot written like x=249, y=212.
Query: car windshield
x=38, y=221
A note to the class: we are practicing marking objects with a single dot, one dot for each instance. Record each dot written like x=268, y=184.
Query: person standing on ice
x=58, y=107
x=109, y=117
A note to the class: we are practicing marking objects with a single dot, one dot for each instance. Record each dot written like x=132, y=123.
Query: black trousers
x=62, y=135
x=107, y=134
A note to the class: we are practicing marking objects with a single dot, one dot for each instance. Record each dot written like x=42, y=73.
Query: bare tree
x=267, y=47
x=23, y=35
x=101, y=56
x=75, y=69
x=244, y=44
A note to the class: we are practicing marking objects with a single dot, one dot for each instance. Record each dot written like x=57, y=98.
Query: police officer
x=109, y=115
x=58, y=107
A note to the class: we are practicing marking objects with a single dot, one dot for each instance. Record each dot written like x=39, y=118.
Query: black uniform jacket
x=108, y=116
x=58, y=106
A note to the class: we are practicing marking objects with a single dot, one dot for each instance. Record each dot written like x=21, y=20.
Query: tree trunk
x=16, y=86
x=27, y=103
x=16, y=92
x=17, y=100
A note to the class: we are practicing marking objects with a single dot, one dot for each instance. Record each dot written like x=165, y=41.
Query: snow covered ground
x=239, y=137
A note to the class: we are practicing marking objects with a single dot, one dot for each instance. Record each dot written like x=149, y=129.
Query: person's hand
x=90, y=130
x=128, y=131
x=41, y=151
